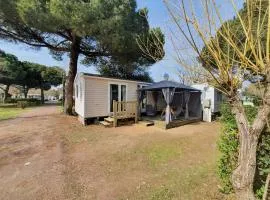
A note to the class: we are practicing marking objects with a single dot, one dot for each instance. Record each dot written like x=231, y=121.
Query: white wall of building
x=211, y=94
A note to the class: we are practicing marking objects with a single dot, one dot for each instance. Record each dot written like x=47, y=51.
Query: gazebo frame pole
x=168, y=96
x=186, y=113
x=187, y=98
x=167, y=114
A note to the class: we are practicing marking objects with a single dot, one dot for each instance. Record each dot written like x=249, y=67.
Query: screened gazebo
x=171, y=103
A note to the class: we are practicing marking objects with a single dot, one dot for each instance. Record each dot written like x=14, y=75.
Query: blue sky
x=158, y=17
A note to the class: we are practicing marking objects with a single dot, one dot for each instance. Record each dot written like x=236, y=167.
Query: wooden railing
x=125, y=110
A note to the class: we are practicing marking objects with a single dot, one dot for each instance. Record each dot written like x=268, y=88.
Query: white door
x=118, y=92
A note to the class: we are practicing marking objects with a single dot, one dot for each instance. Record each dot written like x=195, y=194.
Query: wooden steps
x=106, y=124
x=122, y=111
x=109, y=119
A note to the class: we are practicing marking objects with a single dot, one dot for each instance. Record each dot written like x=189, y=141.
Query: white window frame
x=119, y=92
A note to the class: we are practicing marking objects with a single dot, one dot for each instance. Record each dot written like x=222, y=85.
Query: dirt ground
x=47, y=155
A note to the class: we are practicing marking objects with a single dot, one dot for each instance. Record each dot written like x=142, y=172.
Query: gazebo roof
x=167, y=84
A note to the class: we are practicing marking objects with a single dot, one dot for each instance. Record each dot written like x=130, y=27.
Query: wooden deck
x=175, y=123
x=129, y=109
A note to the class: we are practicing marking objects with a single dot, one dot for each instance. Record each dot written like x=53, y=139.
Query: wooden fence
x=125, y=110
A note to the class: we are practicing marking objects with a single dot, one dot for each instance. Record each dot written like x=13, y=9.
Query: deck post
x=114, y=113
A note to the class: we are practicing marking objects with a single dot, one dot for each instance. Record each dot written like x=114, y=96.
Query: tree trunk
x=42, y=95
x=6, y=93
x=64, y=93
x=25, y=91
x=243, y=176
x=74, y=55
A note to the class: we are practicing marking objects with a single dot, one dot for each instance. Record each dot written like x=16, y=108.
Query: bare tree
x=234, y=54
x=193, y=75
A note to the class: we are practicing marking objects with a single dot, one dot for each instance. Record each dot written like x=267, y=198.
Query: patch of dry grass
x=10, y=111
x=162, y=153
x=148, y=166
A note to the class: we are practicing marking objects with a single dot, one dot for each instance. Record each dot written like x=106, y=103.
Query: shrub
x=9, y=100
x=263, y=163
x=228, y=145
x=22, y=104
x=30, y=102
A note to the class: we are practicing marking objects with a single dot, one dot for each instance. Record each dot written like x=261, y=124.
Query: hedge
x=30, y=102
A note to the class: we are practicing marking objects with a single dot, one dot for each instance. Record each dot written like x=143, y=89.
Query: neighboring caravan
x=211, y=100
x=94, y=94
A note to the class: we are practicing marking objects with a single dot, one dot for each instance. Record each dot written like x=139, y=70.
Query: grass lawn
x=8, y=111
x=69, y=161
x=144, y=163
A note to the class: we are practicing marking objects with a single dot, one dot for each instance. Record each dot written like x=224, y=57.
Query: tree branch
x=93, y=53
x=40, y=41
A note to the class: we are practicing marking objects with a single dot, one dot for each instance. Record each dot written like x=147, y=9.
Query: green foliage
x=103, y=30
x=257, y=100
x=22, y=104
x=237, y=34
x=228, y=146
x=33, y=77
x=263, y=163
x=251, y=113
x=99, y=31
x=30, y=102
x=11, y=70
x=130, y=72
x=52, y=75
x=40, y=76
x=27, y=74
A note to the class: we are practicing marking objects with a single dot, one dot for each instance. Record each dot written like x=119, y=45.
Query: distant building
x=248, y=101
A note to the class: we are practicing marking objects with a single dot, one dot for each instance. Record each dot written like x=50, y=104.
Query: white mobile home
x=211, y=100
x=94, y=94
